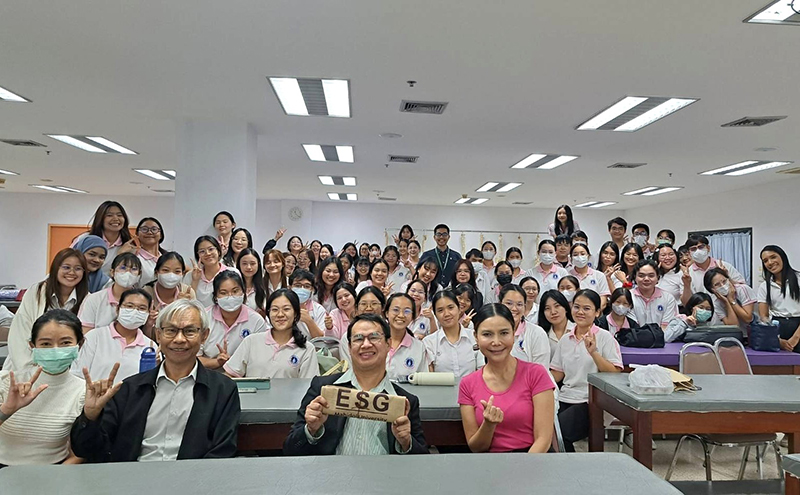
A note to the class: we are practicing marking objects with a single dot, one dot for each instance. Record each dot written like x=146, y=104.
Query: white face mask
x=620, y=309
x=580, y=261
x=641, y=240
x=230, y=303
x=169, y=280
x=515, y=263
x=126, y=279
x=569, y=294
x=488, y=255
x=723, y=289
x=547, y=258
x=700, y=256
x=477, y=266
x=132, y=318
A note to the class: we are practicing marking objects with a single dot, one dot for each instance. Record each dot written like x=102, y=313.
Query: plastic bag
x=651, y=380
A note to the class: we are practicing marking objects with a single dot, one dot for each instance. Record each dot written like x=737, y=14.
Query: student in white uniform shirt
x=369, y=301
x=734, y=303
x=424, y=323
x=275, y=277
x=569, y=286
x=337, y=321
x=530, y=340
x=555, y=317
x=465, y=274
x=531, y=287
x=398, y=273
x=669, y=269
x=100, y=309
x=452, y=348
x=585, y=349
x=205, y=266
x=482, y=280
x=312, y=314
x=651, y=304
x=779, y=295
x=170, y=270
x=588, y=277
x=231, y=321
x=65, y=288
x=110, y=223
x=241, y=239
x=329, y=274
x=407, y=355
x=378, y=277
x=514, y=258
x=282, y=351
x=547, y=273
x=620, y=306
x=489, y=251
x=608, y=264
x=641, y=236
x=121, y=342
x=700, y=251
x=405, y=259
x=467, y=305
x=248, y=264
x=149, y=235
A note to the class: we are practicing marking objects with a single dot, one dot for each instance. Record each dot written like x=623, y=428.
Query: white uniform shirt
x=459, y=358
x=698, y=273
x=661, y=308
x=317, y=314
x=99, y=309
x=548, y=280
x=408, y=358
x=593, y=280
x=781, y=307
x=168, y=416
x=205, y=287
x=672, y=284
x=148, y=267
x=421, y=326
x=744, y=295
x=260, y=356
x=103, y=347
x=248, y=322
x=553, y=340
x=251, y=300
x=328, y=304
x=531, y=344
x=398, y=277
x=572, y=359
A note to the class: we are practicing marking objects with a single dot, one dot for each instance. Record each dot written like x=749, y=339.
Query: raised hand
x=305, y=316
x=685, y=275
x=223, y=356
x=396, y=239
x=491, y=413
x=401, y=429
x=131, y=246
x=314, y=416
x=590, y=342
x=21, y=394
x=468, y=318
x=280, y=233
x=426, y=312
x=328, y=322
x=98, y=393
x=197, y=272
x=387, y=289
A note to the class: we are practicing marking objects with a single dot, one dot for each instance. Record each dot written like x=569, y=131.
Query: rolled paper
x=432, y=378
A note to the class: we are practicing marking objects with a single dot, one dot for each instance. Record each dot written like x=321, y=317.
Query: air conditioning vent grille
x=23, y=142
x=754, y=121
x=403, y=159
x=627, y=165
x=522, y=202
x=386, y=199
x=427, y=107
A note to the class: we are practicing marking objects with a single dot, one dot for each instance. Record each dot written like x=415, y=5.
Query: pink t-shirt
x=516, y=430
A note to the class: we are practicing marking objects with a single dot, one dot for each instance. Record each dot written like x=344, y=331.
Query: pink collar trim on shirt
x=552, y=269
x=244, y=315
x=222, y=268
x=162, y=303
x=269, y=340
x=118, y=242
x=406, y=342
x=571, y=333
x=139, y=341
x=712, y=264
x=656, y=293
x=520, y=328
x=111, y=299
x=577, y=275
x=146, y=255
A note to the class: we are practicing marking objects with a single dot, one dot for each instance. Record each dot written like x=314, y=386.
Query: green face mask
x=55, y=360
x=703, y=315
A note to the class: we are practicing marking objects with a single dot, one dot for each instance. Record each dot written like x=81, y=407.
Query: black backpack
x=649, y=336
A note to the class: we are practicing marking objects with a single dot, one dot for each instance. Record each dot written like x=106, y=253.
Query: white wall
x=771, y=210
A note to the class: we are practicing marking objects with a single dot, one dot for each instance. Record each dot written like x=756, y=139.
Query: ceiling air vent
x=403, y=159
x=429, y=107
x=162, y=190
x=627, y=165
x=790, y=171
x=754, y=121
x=386, y=199
x=522, y=202
x=23, y=142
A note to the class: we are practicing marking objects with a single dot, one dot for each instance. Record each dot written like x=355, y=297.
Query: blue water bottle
x=148, y=359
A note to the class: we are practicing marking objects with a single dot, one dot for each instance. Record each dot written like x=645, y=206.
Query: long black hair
x=228, y=275
x=788, y=274
x=401, y=295
x=298, y=336
x=228, y=259
x=322, y=289
x=570, y=221
x=488, y=311
x=627, y=247
x=160, y=229
x=608, y=244
x=258, y=277
x=559, y=299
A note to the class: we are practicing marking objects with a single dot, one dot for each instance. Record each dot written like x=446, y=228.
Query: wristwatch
x=734, y=303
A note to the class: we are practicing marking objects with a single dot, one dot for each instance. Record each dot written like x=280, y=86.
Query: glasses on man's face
x=373, y=338
x=149, y=230
x=75, y=269
x=396, y=311
x=441, y=234
x=699, y=246
x=172, y=332
x=203, y=252
x=303, y=286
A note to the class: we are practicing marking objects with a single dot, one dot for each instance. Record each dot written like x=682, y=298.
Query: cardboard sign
x=353, y=403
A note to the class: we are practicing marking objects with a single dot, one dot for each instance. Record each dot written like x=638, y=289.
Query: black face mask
x=504, y=279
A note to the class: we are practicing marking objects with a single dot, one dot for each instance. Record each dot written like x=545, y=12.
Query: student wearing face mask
x=514, y=258
x=483, y=282
x=120, y=342
x=589, y=277
x=100, y=309
x=547, y=273
x=700, y=309
x=489, y=250
x=502, y=277
x=170, y=270
x=665, y=236
x=231, y=321
x=94, y=250
x=651, y=304
x=563, y=245
x=312, y=314
x=568, y=287
x=616, y=317
x=700, y=251
x=641, y=237
x=734, y=303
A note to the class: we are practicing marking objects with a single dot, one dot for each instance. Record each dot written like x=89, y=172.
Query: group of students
x=522, y=342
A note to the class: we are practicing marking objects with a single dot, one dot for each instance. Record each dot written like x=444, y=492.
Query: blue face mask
x=55, y=360
x=302, y=294
x=702, y=315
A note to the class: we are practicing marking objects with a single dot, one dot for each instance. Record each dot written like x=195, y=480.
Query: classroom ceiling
x=519, y=76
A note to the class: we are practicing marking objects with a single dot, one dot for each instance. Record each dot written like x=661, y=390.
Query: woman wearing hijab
x=95, y=250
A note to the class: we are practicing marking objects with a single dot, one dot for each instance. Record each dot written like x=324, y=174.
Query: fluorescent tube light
x=487, y=186
x=345, y=153
x=314, y=152
x=171, y=173
x=585, y=205
x=640, y=191
x=111, y=144
x=670, y=106
x=461, y=201
x=480, y=201
x=757, y=168
x=352, y=197
x=601, y=205
x=776, y=12
x=76, y=143
x=729, y=167
x=326, y=180
x=509, y=187
x=528, y=160
x=556, y=162
x=289, y=94
x=337, y=97
x=153, y=174
x=349, y=181
x=611, y=113
x=661, y=191
x=9, y=96
x=7, y=172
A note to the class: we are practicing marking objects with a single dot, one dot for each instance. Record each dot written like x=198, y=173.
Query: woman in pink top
x=337, y=321
x=508, y=405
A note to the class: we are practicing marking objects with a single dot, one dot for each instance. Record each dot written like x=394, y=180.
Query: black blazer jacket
x=117, y=434
x=297, y=443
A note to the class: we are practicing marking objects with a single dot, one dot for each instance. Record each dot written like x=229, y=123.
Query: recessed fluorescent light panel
x=62, y=189
x=652, y=190
x=543, y=161
x=92, y=144
x=313, y=97
x=744, y=168
x=6, y=95
x=343, y=196
x=335, y=180
x=156, y=174
x=471, y=201
x=498, y=187
x=780, y=12
x=634, y=112
x=329, y=153
x=7, y=172
x=596, y=204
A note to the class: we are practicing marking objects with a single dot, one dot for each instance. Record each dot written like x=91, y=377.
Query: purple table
x=763, y=363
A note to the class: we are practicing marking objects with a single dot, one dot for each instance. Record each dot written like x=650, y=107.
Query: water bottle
x=148, y=359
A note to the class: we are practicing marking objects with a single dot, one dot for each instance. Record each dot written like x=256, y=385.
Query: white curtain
x=733, y=247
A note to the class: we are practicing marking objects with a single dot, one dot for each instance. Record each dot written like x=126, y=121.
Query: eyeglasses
x=172, y=332
x=640, y=232
x=699, y=246
x=369, y=305
x=646, y=275
x=511, y=305
x=74, y=269
x=125, y=269
x=441, y=234
x=396, y=311
x=415, y=292
x=302, y=286
x=203, y=252
x=373, y=338
x=149, y=230
x=133, y=306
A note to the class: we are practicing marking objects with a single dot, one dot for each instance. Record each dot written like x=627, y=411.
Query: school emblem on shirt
x=245, y=332
x=593, y=282
x=400, y=274
x=555, y=276
x=521, y=344
x=660, y=307
x=409, y=363
x=422, y=326
x=294, y=360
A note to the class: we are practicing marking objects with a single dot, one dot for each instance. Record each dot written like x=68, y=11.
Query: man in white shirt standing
x=700, y=251
x=179, y=410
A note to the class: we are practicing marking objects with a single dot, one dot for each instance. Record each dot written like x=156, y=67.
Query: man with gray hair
x=179, y=410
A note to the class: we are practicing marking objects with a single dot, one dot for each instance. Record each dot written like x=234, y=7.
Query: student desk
x=724, y=404
x=763, y=363
x=268, y=415
x=602, y=474
x=791, y=464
